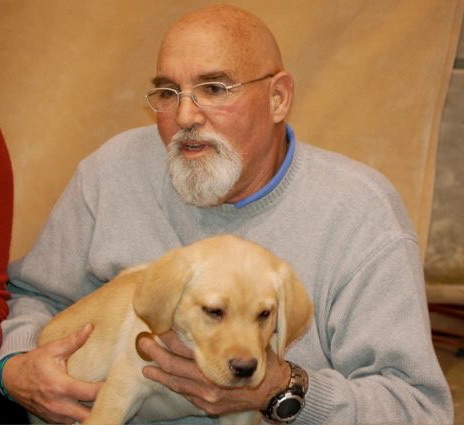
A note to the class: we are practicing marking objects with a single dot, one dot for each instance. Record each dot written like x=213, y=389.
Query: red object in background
x=6, y=219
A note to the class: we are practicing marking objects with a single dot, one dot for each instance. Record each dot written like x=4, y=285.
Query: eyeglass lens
x=205, y=95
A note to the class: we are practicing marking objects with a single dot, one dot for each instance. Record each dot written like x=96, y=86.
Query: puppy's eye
x=264, y=315
x=215, y=313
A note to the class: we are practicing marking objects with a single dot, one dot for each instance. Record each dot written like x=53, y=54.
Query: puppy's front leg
x=120, y=397
x=251, y=417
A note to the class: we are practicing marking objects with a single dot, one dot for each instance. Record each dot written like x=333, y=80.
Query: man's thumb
x=76, y=340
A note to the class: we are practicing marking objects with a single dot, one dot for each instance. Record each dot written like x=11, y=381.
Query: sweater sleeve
x=6, y=217
x=375, y=333
x=53, y=274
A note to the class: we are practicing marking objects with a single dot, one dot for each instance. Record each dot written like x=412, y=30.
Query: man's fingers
x=167, y=360
x=74, y=341
x=175, y=345
x=206, y=396
x=78, y=412
x=175, y=383
x=148, y=348
x=67, y=412
x=84, y=391
x=76, y=392
x=170, y=362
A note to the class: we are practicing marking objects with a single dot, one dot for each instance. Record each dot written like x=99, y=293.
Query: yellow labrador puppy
x=227, y=298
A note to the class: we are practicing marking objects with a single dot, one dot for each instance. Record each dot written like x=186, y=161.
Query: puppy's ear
x=294, y=312
x=159, y=289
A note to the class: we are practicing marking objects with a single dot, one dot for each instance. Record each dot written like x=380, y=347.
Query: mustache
x=186, y=136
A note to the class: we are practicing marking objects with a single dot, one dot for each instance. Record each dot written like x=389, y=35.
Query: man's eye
x=215, y=313
x=213, y=89
x=166, y=93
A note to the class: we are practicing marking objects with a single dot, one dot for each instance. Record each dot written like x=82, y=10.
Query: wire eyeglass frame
x=217, y=99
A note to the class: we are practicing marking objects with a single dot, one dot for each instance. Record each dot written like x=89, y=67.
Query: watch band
x=287, y=405
x=298, y=377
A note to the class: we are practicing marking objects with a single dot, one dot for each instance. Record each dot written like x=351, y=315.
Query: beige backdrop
x=371, y=76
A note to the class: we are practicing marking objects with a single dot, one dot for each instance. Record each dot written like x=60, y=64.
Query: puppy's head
x=231, y=300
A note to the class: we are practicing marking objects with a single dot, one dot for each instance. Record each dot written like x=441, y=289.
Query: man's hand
x=38, y=380
x=178, y=371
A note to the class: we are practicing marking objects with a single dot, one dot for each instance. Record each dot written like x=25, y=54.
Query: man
x=231, y=165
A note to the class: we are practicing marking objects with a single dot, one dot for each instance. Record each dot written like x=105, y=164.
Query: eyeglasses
x=204, y=95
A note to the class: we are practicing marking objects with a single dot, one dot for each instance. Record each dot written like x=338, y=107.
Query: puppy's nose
x=243, y=368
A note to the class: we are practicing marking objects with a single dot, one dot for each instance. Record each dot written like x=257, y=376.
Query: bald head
x=244, y=41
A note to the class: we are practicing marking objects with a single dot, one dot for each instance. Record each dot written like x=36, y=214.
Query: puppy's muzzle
x=243, y=368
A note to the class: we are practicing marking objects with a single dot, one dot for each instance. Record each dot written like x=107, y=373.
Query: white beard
x=205, y=181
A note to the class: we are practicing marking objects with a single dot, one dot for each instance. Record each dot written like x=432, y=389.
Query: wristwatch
x=287, y=405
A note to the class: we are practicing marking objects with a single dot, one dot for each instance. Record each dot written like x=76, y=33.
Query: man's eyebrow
x=220, y=76
x=160, y=81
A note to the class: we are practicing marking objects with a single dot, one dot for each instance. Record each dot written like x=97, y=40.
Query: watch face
x=288, y=407
x=285, y=406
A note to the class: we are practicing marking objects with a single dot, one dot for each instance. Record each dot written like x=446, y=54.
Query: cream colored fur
x=226, y=298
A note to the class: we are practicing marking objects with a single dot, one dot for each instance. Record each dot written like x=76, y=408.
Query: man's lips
x=191, y=147
x=195, y=147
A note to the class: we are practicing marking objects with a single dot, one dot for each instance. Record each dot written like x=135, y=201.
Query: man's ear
x=159, y=289
x=281, y=92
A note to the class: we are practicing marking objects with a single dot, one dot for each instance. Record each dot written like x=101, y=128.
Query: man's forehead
x=199, y=59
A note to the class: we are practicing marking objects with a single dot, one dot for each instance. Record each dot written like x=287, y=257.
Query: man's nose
x=188, y=113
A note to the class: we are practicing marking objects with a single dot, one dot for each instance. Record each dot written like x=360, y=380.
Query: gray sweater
x=341, y=225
